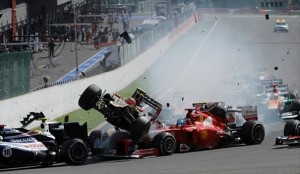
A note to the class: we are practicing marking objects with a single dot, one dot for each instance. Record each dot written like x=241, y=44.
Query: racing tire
x=252, y=132
x=89, y=97
x=165, y=143
x=291, y=128
x=292, y=94
x=74, y=152
x=101, y=135
x=295, y=106
x=140, y=128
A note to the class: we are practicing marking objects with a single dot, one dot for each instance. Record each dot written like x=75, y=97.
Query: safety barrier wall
x=243, y=11
x=14, y=73
x=147, y=39
x=62, y=99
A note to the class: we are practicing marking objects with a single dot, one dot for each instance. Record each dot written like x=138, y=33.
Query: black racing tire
x=291, y=127
x=165, y=143
x=89, y=96
x=100, y=134
x=74, y=152
x=295, y=105
x=292, y=94
x=140, y=128
x=252, y=132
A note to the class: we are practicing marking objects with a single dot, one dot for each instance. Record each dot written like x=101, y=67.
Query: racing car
x=277, y=101
x=55, y=142
x=281, y=25
x=291, y=135
x=289, y=108
x=139, y=133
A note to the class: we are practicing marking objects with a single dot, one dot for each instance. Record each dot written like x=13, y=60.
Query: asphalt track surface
x=199, y=68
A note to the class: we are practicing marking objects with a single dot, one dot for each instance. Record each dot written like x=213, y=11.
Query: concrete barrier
x=62, y=99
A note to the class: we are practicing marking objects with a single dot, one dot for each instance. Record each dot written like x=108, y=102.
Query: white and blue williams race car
x=55, y=142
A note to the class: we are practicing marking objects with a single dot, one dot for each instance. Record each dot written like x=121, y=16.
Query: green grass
x=92, y=117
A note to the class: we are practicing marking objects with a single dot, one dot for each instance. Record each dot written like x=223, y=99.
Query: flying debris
x=267, y=17
x=289, y=51
x=126, y=36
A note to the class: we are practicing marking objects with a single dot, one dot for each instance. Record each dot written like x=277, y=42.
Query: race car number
x=6, y=152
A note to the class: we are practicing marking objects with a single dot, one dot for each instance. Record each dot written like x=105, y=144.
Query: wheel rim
x=169, y=145
x=258, y=133
x=78, y=152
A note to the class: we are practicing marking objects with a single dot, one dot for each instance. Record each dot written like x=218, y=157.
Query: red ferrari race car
x=291, y=134
x=139, y=133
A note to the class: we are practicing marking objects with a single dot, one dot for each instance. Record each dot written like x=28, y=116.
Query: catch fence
x=14, y=73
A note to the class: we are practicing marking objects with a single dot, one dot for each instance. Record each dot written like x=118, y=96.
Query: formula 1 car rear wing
x=142, y=97
x=200, y=106
x=248, y=112
x=272, y=82
x=282, y=89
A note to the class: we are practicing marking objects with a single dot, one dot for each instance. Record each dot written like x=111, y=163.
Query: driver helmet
x=180, y=122
x=2, y=126
x=275, y=90
x=131, y=101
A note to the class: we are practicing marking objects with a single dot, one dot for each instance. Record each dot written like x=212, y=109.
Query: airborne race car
x=204, y=127
x=57, y=142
